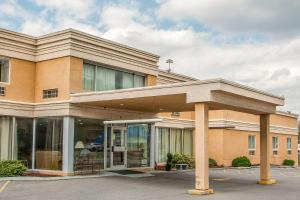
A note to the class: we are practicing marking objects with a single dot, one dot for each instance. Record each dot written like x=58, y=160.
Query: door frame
x=121, y=149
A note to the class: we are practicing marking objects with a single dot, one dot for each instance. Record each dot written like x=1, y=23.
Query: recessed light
x=121, y=104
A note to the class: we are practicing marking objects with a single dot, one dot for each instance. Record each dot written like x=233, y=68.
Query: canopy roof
x=218, y=93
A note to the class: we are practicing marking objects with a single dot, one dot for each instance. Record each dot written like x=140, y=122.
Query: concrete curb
x=28, y=178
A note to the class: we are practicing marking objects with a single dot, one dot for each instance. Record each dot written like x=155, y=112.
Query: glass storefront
x=6, y=138
x=173, y=141
x=138, y=145
x=88, y=145
x=49, y=143
x=24, y=140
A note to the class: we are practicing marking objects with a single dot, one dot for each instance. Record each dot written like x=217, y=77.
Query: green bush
x=12, y=168
x=242, y=161
x=287, y=162
x=212, y=163
x=169, y=162
x=179, y=158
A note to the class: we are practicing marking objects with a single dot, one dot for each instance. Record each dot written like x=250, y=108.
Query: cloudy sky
x=252, y=42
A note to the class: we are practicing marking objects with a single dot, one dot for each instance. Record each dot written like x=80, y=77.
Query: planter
x=181, y=166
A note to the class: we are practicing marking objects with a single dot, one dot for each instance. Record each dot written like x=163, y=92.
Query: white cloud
x=272, y=65
x=275, y=17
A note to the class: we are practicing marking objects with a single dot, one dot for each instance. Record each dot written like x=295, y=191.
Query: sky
x=252, y=42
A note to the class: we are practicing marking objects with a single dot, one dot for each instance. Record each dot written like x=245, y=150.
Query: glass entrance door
x=118, y=147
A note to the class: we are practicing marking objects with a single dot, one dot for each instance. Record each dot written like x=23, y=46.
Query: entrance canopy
x=178, y=97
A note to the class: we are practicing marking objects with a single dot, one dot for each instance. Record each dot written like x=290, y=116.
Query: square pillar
x=201, y=150
x=265, y=151
x=68, y=145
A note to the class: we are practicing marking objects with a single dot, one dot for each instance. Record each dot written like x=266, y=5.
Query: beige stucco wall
x=226, y=144
x=151, y=80
x=52, y=74
x=76, y=74
x=22, y=80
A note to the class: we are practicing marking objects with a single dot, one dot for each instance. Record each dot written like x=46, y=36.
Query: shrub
x=180, y=159
x=12, y=168
x=169, y=162
x=242, y=161
x=212, y=163
x=287, y=162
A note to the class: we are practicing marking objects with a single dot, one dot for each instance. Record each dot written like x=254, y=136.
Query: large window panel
x=188, y=142
x=127, y=80
x=175, y=141
x=5, y=138
x=97, y=78
x=23, y=149
x=88, y=77
x=163, y=143
x=139, y=81
x=88, y=145
x=138, y=145
x=105, y=79
x=49, y=143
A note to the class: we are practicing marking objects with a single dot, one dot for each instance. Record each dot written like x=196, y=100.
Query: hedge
x=242, y=161
x=287, y=162
x=12, y=168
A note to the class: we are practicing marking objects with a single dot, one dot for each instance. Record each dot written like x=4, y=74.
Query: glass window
x=163, y=142
x=106, y=79
x=138, y=145
x=109, y=79
x=289, y=143
x=275, y=142
x=139, y=81
x=175, y=140
x=88, y=145
x=188, y=142
x=127, y=80
x=5, y=138
x=275, y=145
x=251, y=142
x=49, y=143
x=88, y=77
x=24, y=140
x=4, y=69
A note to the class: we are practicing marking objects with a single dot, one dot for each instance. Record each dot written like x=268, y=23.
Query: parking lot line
x=4, y=186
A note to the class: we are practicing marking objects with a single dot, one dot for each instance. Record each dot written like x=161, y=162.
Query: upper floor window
x=97, y=78
x=275, y=145
x=4, y=70
x=251, y=145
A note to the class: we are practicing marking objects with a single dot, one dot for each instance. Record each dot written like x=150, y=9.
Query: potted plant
x=181, y=161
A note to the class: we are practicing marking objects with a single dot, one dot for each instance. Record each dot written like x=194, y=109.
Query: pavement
x=228, y=184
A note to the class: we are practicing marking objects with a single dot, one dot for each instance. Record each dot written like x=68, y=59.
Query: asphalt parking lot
x=229, y=184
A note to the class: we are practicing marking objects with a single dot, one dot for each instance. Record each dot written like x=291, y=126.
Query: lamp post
x=169, y=61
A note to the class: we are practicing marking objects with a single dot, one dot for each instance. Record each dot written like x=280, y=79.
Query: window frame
x=289, y=146
x=9, y=70
x=251, y=151
x=275, y=151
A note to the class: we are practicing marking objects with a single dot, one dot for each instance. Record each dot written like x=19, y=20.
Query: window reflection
x=49, y=143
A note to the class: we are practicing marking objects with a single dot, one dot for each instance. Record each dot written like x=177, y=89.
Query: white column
x=152, y=146
x=68, y=145
x=265, y=151
x=33, y=143
x=201, y=150
x=105, y=147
